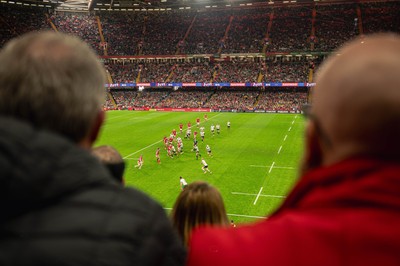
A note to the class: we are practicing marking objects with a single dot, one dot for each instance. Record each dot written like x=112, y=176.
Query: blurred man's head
x=55, y=82
x=356, y=103
x=112, y=159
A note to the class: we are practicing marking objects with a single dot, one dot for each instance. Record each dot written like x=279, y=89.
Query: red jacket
x=346, y=214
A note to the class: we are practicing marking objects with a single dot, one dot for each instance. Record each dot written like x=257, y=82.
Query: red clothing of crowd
x=345, y=214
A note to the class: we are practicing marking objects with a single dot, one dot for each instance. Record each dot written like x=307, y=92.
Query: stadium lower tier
x=210, y=99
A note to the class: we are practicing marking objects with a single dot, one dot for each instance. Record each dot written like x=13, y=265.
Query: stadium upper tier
x=307, y=28
x=236, y=70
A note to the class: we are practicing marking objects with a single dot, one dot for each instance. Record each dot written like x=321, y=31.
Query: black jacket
x=60, y=206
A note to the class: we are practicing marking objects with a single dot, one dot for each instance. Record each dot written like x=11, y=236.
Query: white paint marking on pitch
x=285, y=138
x=261, y=195
x=290, y=128
x=142, y=149
x=270, y=169
x=238, y=215
x=275, y=167
x=292, y=122
x=258, y=196
x=247, y=216
x=295, y=116
x=280, y=148
x=129, y=155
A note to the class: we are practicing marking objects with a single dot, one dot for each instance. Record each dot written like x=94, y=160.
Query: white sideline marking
x=142, y=149
x=238, y=215
x=276, y=167
x=270, y=169
x=247, y=216
x=292, y=122
x=129, y=155
x=261, y=195
x=290, y=128
x=285, y=138
x=280, y=148
x=258, y=196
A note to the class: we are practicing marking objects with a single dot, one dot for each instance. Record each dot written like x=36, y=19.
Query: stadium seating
x=282, y=43
x=277, y=100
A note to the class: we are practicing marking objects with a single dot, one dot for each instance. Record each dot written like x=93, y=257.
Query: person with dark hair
x=345, y=208
x=112, y=160
x=198, y=204
x=59, y=204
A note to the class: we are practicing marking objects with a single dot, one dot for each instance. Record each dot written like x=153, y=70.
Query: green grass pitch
x=254, y=163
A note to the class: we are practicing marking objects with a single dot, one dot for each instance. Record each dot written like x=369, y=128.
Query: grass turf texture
x=241, y=162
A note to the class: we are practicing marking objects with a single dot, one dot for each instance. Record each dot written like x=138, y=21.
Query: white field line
x=247, y=216
x=129, y=155
x=280, y=148
x=292, y=122
x=290, y=128
x=237, y=215
x=270, y=169
x=285, y=138
x=261, y=195
x=126, y=157
x=258, y=195
x=275, y=167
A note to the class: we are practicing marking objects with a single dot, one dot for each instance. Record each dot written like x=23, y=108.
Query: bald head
x=357, y=99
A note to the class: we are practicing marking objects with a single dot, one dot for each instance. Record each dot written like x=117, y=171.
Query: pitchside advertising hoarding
x=214, y=84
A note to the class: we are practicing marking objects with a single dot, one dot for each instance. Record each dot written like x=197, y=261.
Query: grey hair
x=52, y=81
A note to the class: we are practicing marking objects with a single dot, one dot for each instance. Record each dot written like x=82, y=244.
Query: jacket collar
x=360, y=181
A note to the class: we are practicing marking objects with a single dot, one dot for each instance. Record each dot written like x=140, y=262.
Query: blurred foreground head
x=356, y=104
x=112, y=160
x=54, y=82
x=198, y=204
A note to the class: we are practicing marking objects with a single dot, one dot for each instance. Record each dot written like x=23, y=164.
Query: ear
x=313, y=155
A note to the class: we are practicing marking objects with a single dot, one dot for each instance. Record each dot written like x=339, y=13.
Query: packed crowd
x=163, y=33
x=273, y=69
x=122, y=72
x=381, y=17
x=273, y=100
x=244, y=100
x=82, y=25
x=232, y=100
x=281, y=100
x=17, y=20
x=237, y=71
x=122, y=32
x=185, y=99
x=247, y=31
x=207, y=33
x=192, y=71
x=334, y=24
x=289, y=71
x=291, y=29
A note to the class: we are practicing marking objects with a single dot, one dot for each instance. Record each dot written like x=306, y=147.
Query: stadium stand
x=250, y=99
x=283, y=43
